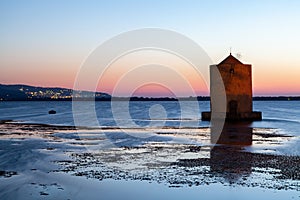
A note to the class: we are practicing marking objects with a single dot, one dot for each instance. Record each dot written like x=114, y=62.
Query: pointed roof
x=230, y=60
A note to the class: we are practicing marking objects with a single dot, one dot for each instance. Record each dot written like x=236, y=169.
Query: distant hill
x=31, y=93
x=26, y=92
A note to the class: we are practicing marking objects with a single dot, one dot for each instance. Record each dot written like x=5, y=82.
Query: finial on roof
x=230, y=51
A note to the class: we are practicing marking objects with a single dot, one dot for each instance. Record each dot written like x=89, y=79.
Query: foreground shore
x=42, y=161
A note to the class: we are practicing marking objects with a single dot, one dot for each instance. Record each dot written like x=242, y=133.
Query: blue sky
x=59, y=34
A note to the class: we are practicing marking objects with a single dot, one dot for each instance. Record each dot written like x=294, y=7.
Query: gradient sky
x=44, y=42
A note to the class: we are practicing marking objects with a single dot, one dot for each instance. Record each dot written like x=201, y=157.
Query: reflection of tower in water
x=230, y=162
x=233, y=133
x=227, y=157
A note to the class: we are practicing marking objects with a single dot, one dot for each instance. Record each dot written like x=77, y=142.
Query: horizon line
x=62, y=87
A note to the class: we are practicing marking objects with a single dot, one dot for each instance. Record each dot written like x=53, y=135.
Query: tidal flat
x=66, y=162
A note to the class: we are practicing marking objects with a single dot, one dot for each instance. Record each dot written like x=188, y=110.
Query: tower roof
x=230, y=60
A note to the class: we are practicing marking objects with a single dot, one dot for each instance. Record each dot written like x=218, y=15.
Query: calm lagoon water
x=281, y=115
x=284, y=116
x=142, y=113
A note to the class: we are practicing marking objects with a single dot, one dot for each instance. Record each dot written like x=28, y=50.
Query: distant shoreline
x=33, y=93
x=204, y=98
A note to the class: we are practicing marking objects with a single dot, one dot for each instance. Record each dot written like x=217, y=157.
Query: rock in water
x=52, y=112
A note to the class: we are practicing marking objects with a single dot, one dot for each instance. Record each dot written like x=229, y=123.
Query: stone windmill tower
x=237, y=80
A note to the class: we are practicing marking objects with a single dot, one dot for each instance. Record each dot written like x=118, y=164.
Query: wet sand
x=42, y=161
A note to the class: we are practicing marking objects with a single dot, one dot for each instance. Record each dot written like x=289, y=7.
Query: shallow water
x=57, y=166
x=159, y=153
x=284, y=116
x=276, y=114
x=82, y=188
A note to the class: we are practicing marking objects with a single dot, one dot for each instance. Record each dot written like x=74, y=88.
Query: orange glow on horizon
x=269, y=78
x=141, y=68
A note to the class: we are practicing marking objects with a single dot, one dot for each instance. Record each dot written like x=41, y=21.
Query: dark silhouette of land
x=31, y=93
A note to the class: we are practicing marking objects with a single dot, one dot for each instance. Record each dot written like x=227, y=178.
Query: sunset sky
x=44, y=43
